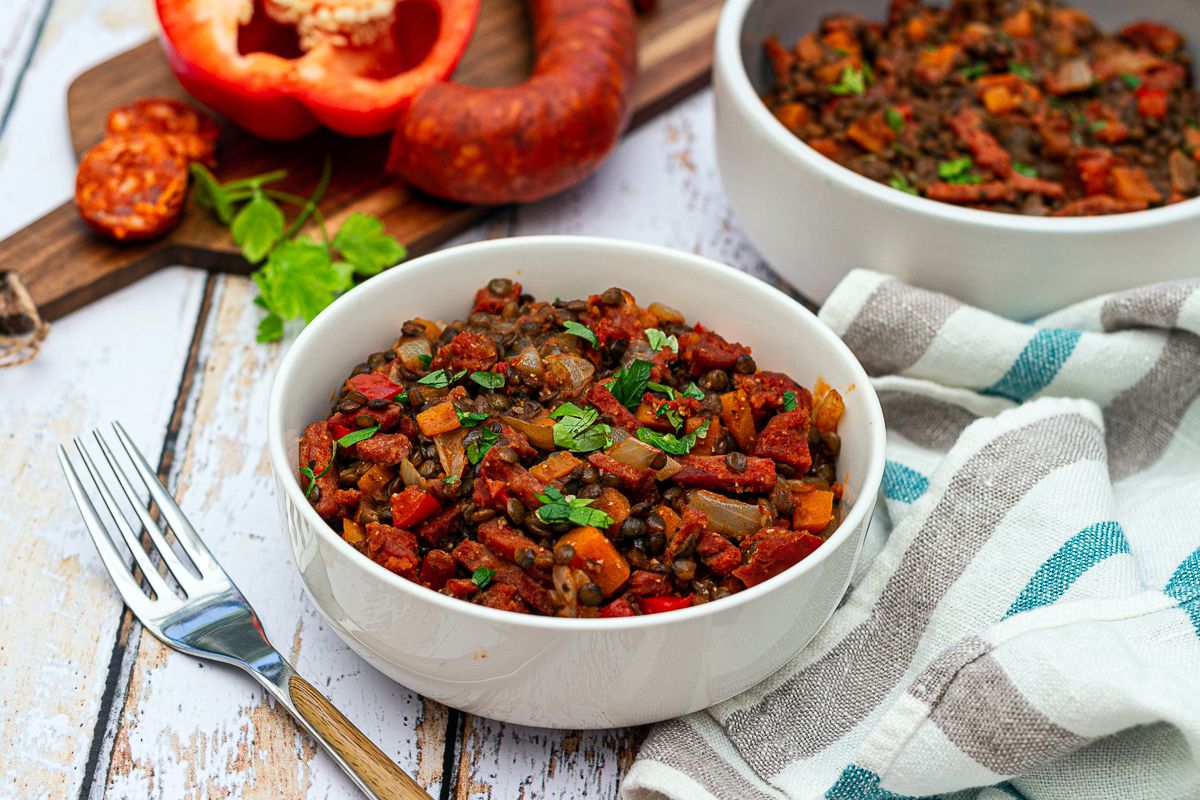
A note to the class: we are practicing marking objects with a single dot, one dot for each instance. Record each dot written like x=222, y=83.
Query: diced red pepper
x=338, y=431
x=618, y=608
x=657, y=605
x=1151, y=102
x=412, y=506
x=374, y=386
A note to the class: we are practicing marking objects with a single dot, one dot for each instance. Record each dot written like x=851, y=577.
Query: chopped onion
x=665, y=313
x=410, y=476
x=726, y=516
x=569, y=373
x=410, y=349
x=668, y=472
x=634, y=453
x=450, y=451
x=528, y=362
x=540, y=436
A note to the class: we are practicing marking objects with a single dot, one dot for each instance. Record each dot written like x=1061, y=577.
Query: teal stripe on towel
x=1037, y=365
x=1078, y=554
x=902, y=483
x=856, y=783
x=1184, y=586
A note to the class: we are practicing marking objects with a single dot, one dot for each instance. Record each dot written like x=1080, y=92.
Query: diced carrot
x=613, y=503
x=807, y=49
x=841, y=39
x=828, y=407
x=813, y=510
x=830, y=74
x=375, y=478
x=871, y=133
x=1132, y=183
x=556, y=465
x=595, y=555
x=705, y=445
x=352, y=532
x=999, y=100
x=1019, y=25
x=442, y=418
x=794, y=116
x=738, y=417
x=826, y=147
x=935, y=64
x=781, y=60
x=917, y=28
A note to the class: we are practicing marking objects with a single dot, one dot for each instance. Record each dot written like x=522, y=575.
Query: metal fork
x=215, y=621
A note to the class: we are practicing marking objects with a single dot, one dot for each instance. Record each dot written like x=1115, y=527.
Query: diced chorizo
x=683, y=539
x=629, y=476
x=785, y=440
x=384, y=448
x=436, y=568
x=608, y=405
x=773, y=550
x=492, y=302
x=435, y=529
x=316, y=453
x=704, y=350
x=503, y=597
x=468, y=350
x=505, y=541
x=718, y=553
x=712, y=472
x=649, y=584
x=765, y=391
x=394, y=549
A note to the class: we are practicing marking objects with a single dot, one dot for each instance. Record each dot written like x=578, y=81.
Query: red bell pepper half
x=283, y=68
x=412, y=506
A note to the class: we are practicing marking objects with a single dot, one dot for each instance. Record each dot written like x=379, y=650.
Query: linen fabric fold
x=1025, y=619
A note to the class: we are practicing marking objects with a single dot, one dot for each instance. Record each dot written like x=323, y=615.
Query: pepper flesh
x=283, y=68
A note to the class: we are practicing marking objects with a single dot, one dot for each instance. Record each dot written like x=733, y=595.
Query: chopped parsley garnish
x=1025, y=169
x=789, y=400
x=693, y=391
x=630, y=383
x=425, y=360
x=488, y=380
x=658, y=340
x=477, y=449
x=354, y=437
x=440, y=379
x=401, y=398
x=1021, y=70
x=312, y=479
x=469, y=419
x=974, y=71
x=662, y=388
x=958, y=170
x=451, y=478
x=568, y=508
x=670, y=443
x=1130, y=80
x=582, y=331
x=672, y=416
x=894, y=118
x=482, y=577
x=853, y=81
x=900, y=181
x=1098, y=125
x=577, y=429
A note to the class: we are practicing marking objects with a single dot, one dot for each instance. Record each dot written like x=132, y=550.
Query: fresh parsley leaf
x=1130, y=80
x=1022, y=71
x=440, y=378
x=477, y=449
x=401, y=398
x=955, y=168
x=469, y=419
x=894, y=118
x=693, y=391
x=360, y=435
x=312, y=479
x=852, y=81
x=482, y=577
x=577, y=429
x=658, y=340
x=582, y=331
x=973, y=71
x=559, y=508
x=257, y=226
x=672, y=416
x=630, y=383
x=488, y=380
x=1025, y=169
x=670, y=443
x=789, y=400
x=451, y=478
x=1098, y=125
x=270, y=328
x=362, y=242
x=425, y=359
x=900, y=181
x=662, y=389
x=299, y=280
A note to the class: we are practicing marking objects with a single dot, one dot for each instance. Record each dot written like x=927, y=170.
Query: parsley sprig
x=630, y=383
x=578, y=430
x=482, y=577
x=557, y=507
x=658, y=340
x=440, y=378
x=477, y=449
x=349, y=440
x=670, y=443
x=853, y=81
x=297, y=276
x=958, y=170
x=582, y=331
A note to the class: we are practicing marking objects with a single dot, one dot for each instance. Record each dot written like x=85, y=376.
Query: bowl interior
x=791, y=19
x=784, y=336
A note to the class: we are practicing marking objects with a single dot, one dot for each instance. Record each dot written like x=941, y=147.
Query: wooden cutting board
x=64, y=266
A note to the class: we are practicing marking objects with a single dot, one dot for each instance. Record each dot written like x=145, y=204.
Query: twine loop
x=22, y=330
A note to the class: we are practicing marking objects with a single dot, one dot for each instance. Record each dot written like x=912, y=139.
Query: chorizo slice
x=522, y=143
x=192, y=131
x=131, y=187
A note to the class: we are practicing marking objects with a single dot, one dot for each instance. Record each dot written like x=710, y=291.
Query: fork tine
x=118, y=570
x=182, y=574
x=149, y=571
x=186, y=535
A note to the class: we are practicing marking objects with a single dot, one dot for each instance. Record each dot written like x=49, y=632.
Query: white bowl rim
x=728, y=62
x=411, y=271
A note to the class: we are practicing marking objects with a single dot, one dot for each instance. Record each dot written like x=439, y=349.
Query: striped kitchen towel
x=1025, y=621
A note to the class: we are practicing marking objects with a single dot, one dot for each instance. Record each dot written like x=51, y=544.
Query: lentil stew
x=581, y=458
x=1018, y=106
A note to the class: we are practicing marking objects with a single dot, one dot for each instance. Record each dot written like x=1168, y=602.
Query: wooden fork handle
x=359, y=756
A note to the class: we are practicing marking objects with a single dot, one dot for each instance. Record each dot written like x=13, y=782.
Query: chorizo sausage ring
x=522, y=143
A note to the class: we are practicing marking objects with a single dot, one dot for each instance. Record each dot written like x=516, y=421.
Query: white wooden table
x=89, y=707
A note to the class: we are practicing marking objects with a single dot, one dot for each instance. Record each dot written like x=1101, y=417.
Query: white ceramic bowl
x=556, y=672
x=814, y=219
